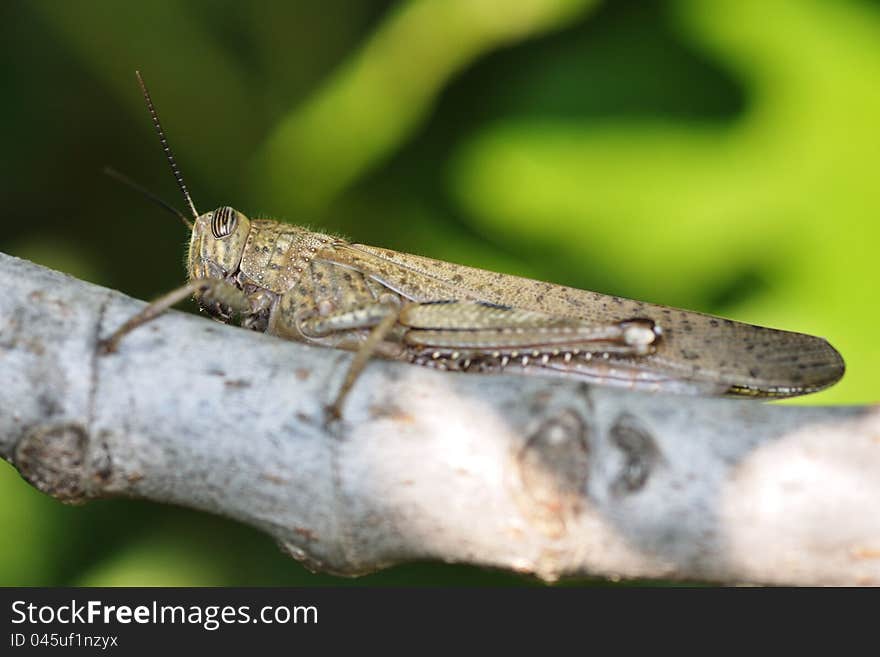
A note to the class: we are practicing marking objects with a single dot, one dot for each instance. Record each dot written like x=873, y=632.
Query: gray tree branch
x=549, y=477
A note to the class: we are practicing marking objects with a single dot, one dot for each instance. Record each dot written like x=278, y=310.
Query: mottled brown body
x=317, y=288
x=320, y=289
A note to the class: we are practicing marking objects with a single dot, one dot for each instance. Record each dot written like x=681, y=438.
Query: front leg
x=210, y=289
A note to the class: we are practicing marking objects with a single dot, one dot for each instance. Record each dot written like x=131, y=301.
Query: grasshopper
x=320, y=289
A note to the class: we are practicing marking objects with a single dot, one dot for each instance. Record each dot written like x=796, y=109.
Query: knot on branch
x=54, y=459
x=553, y=468
x=640, y=452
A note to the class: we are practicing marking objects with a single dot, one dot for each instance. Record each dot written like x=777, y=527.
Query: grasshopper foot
x=108, y=346
x=332, y=413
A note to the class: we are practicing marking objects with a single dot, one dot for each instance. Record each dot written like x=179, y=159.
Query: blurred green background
x=719, y=155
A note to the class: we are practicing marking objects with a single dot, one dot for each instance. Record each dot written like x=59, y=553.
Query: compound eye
x=223, y=222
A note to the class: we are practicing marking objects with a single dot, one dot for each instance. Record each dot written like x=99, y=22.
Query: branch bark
x=549, y=477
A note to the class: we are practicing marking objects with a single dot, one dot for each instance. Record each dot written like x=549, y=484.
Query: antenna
x=125, y=180
x=165, y=147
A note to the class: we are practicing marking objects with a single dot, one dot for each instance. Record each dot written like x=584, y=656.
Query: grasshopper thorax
x=217, y=243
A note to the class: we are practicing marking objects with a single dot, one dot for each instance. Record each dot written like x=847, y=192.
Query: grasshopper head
x=217, y=243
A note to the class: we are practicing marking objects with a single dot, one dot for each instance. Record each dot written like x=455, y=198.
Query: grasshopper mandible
x=320, y=289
